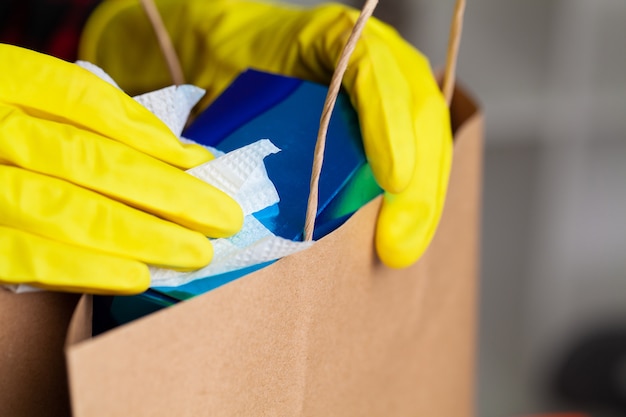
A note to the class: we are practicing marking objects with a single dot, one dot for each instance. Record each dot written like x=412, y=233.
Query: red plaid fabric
x=49, y=26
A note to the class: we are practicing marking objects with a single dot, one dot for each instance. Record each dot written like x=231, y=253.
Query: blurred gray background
x=551, y=76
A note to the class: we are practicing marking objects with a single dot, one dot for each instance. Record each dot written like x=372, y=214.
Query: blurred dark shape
x=593, y=372
x=49, y=26
x=102, y=319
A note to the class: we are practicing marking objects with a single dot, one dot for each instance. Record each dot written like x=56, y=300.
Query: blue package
x=287, y=111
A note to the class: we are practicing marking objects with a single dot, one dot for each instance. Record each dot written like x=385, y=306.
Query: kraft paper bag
x=328, y=331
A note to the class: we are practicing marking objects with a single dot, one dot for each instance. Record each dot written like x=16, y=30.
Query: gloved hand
x=92, y=189
x=404, y=118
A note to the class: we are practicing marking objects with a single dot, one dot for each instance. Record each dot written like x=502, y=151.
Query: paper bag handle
x=165, y=42
x=335, y=84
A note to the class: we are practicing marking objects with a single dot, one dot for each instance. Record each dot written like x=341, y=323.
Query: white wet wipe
x=242, y=175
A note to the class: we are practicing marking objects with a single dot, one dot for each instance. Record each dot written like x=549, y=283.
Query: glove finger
x=34, y=260
x=408, y=220
x=116, y=170
x=48, y=88
x=382, y=96
x=379, y=90
x=63, y=212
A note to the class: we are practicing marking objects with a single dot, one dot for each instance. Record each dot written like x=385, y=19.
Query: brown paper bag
x=328, y=331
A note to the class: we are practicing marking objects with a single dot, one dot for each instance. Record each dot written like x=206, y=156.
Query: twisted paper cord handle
x=456, y=28
x=165, y=42
x=327, y=111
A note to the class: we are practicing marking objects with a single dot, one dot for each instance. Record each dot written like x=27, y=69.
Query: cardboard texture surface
x=328, y=331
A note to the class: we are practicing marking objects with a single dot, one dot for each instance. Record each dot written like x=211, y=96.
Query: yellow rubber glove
x=92, y=189
x=403, y=116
